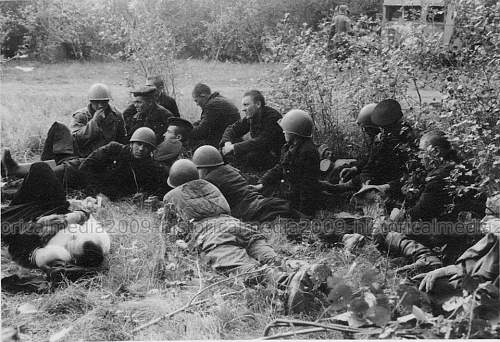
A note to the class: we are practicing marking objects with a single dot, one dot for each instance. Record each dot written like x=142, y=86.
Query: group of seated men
x=147, y=150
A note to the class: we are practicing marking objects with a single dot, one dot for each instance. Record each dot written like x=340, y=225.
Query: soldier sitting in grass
x=230, y=246
x=118, y=170
x=64, y=149
x=216, y=114
x=246, y=203
x=161, y=96
x=296, y=177
x=146, y=112
x=262, y=149
x=175, y=143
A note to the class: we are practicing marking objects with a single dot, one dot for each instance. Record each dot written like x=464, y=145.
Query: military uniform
x=297, y=175
x=216, y=115
x=262, y=150
x=168, y=103
x=89, y=134
x=156, y=119
x=246, y=204
x=114, y=171
x=224, y=243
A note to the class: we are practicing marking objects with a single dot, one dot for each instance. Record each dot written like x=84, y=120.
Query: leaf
x=420, y=314
x=453, y=303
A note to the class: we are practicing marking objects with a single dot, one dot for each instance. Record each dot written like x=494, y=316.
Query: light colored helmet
x=298, y=122
x=207, y=156
x=386, y=112
x=99, y=92
x=145, y=135
x=364, y=116
x=182, y=171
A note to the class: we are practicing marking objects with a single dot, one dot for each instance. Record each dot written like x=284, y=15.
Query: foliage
x=334, y=76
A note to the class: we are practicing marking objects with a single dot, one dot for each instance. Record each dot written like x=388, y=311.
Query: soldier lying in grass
x=230, y=246
x=40, y=230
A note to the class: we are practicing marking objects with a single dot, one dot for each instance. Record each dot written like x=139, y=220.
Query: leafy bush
x=333, y=77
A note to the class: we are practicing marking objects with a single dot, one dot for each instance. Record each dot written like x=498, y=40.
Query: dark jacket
x=265, y=133
x=113, y=171
x=388, y=157
x=298, y=175
x=156, y=119
x=216, y=115
x=246, y=204
x=89, y=135
x=168, y=103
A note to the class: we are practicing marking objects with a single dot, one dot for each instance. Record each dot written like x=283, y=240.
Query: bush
x=333, y=77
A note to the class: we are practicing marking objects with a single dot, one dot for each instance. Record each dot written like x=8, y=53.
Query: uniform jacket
x=482, y=258
x=246, y=204
x=388, y=157
x=265, y=133
x=168, y=103
x=205, y=210
x=298, y=175
x=216, y=115
x=113, y=171
x=89, y=135
x=156, y=119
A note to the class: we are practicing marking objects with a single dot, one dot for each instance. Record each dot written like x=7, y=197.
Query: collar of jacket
x=211, y=97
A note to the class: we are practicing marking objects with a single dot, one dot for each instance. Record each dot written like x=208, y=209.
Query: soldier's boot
x=424, y=260
x=13, y=168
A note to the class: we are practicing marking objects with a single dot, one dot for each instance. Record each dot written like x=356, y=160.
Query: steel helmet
x=364, y=116
x=99, y=92
x=207, y=156
x=386, y=112
x=145, y=135
x=182, y=171
x=298, y=122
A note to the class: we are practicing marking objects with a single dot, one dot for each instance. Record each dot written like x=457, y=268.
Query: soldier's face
x=288, y=136
x=98, y=104
x=171, y=133
x=142, y=104
x=200, y=99
x=141, y=150
x=249, y=107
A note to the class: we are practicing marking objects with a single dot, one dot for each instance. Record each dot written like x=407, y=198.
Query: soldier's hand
x=430, y=278
x=227, y=148
x=52, y=220
x=99, y=116
x=347, y=173
x=256, y=187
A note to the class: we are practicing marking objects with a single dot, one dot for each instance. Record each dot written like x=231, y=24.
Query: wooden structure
x=434, y=15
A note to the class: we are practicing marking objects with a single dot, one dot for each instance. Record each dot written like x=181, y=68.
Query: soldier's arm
x=202, y=129
x=265, y=139
x=273, y=176
x=84, y=129
x=235, y=131
x=98, y=160
x=431, y=202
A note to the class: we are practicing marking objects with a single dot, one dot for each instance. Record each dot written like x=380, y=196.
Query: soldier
x=232, y=247
x=175, y=142
x=35, y=225
x=145, y=112
x=161, y=95
x=246, y=204
x=261, y=150
x=118, y=170
x=296, y=177
x=92, y=127
x=341, y=21
x=216, y=114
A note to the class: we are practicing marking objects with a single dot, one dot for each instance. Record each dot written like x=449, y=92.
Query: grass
x=31, y=101
x=147, y=276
